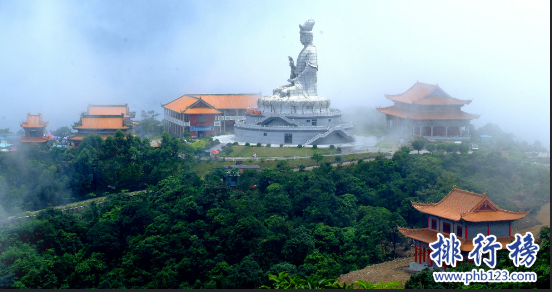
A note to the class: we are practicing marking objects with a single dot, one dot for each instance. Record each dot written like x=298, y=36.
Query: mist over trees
x=192, y=232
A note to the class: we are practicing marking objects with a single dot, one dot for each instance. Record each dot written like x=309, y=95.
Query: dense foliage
x=35, y=177
x=192, y=232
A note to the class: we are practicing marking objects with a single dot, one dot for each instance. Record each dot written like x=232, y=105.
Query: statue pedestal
x=294, y=104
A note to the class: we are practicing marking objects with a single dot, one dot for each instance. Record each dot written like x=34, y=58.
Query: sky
x=57, y=57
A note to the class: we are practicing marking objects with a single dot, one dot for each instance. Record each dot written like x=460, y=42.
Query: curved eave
x=492, y=216
x=429, y=236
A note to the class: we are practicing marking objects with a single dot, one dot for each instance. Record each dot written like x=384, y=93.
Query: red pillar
x=428, y=226
x=439, y=225
x=415, y=252
x=509, y=229
x=466, y=232
x=430, y=262
x=488, y=229
x=445, y=266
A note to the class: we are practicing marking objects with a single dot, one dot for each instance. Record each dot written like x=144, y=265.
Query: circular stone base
x=294, y=104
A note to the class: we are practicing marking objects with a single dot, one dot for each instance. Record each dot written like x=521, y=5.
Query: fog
x=59, y=56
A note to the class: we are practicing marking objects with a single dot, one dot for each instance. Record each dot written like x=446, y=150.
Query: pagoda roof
x=110, y=122
x=429, y=236
x=217, y=101
x=426, y=94
x=426, y=115
x=34, y=121
x=472, y=207
x=25, y=139
x=109, y=110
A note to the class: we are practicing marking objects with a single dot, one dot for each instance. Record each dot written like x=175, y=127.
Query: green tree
x=63, y=131
x=149, y=126
x=418, y=144
x=317, y=157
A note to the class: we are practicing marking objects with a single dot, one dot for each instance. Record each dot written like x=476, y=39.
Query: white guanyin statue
x=303, y=75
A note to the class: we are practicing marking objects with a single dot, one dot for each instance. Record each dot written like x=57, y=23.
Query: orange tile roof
x=201, y=111
x=180, y=104
x=463, y=205
x=218, y=101
x=427, y=115
x=230, y=101
x=102, y=122
x=34, y=139
x=34, y=121
x=420, y=91
x=108, y=110
x=429, y=235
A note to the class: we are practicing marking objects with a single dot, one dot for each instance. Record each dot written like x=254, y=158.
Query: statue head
x=306, y=32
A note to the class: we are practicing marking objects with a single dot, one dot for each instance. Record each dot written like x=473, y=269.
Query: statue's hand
x=291, y=61
x=291, y=80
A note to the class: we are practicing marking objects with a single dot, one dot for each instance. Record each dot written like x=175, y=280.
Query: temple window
x=33, y=133
x=446, y=227
x=433, y=224
x=458, y=231
x=314, y=122
x=201, y=118
x=264, y=134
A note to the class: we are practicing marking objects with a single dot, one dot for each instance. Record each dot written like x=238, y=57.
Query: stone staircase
x=268, y=116
x=330, y=131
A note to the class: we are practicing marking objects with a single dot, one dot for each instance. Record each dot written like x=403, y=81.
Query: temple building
x=203, y=114
x=465, y=214
x=426, y=110
x=34, y=129
x=103, y=110
x=104, y=120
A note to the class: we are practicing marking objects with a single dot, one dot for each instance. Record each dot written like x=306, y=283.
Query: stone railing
x=177, y=121
x=229, y=118
x=253, y=126
x=449, y=138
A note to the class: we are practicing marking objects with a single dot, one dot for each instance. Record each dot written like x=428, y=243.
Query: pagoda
x=427, y=110
x=465, y=214
x=104, y=125
x=34, y=129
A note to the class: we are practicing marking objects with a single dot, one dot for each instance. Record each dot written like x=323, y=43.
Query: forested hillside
x=191, y=232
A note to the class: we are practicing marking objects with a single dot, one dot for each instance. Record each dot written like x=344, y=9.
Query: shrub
x=442, y=146
x=281, y=145
x=299, y=146
x=235, y=144
x=259, y=144
x=332, y=147
x=338, y=158
x=302, y=167
x=230, y=144
x=338, y=149
x=247, y=144
x=430, y=147
x=314, y=146
x=268, y=145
